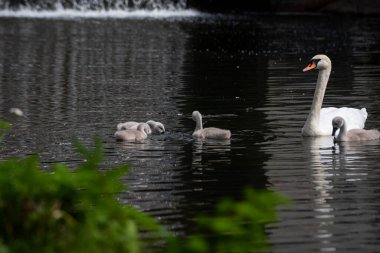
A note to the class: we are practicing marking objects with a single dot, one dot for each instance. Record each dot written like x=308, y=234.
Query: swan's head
x=337, y=123
x=196, y=115
x=320, y=61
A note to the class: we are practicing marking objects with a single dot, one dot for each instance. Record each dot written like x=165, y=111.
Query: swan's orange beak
x=311, y=65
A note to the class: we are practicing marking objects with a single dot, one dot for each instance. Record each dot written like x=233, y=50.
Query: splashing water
x=91, y=5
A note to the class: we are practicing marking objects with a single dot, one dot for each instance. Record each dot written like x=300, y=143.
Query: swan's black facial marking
x=313, y=63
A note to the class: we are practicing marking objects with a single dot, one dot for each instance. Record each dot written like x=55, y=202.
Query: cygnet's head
x=157, y=127
x=120, y=126
x=196, y=115
x=337, y=123
x=319, y=61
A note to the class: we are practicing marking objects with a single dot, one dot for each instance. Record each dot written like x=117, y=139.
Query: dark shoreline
x=274, y=6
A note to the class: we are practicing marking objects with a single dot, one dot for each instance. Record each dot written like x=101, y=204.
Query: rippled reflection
x=221, y=149
x=320, y=149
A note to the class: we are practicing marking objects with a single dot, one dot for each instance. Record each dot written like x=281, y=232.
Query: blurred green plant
x=4, y=127
x=77, y=211
x=14, y=114
x=236, y=226
x=68, y=211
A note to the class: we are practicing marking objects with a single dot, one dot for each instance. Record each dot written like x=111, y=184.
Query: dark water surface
x=80, y=77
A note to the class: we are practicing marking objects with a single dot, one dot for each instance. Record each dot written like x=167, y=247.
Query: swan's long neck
x=315, y=111
x=198, y=121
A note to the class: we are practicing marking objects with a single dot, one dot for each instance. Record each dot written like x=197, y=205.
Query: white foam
x=117, y=14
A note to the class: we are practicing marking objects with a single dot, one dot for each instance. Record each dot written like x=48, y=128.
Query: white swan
x=132, y=125
x=157, y=127
x=319, y=119
x=209, y=132
x=353, y=134
x=133, y=134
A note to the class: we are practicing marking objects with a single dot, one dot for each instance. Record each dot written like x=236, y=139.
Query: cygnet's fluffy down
x=209, y=132
x=127, y=125
x=353, y=134
x=133, y=134
x=132, y=125
x=157, y=127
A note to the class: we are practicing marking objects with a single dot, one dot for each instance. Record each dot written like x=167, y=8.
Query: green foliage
x=77, y=211
x=237, y=226
x=4, y=127
x=68, y=211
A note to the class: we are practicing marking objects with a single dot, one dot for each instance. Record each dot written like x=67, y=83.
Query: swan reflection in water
x=353, y=155
x=338, y=169
x=220, y=147
x=319, y=149
x=208, y=151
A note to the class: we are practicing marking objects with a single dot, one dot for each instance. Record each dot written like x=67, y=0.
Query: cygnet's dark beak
x=334, y=130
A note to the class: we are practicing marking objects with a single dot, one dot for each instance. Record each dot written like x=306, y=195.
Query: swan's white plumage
x=355, y=118
x=319, y=119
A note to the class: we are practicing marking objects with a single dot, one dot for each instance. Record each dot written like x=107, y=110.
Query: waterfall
x=95, y=8
x=85, y=5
